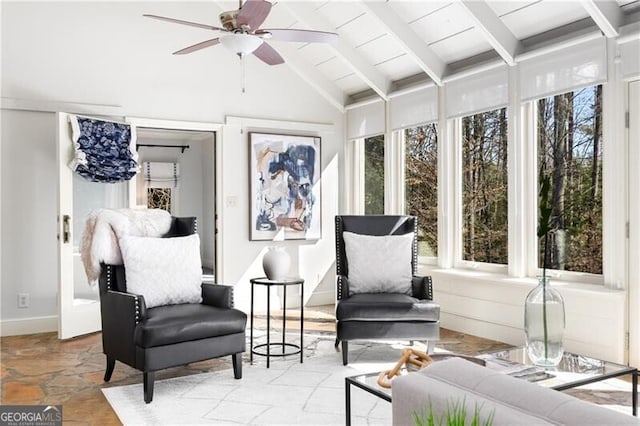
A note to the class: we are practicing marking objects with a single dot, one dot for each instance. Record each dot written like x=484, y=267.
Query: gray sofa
x=512, y=401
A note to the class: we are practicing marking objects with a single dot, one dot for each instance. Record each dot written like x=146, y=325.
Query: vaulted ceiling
x=387, y=45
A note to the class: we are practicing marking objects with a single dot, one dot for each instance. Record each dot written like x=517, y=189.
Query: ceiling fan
x=241, y=32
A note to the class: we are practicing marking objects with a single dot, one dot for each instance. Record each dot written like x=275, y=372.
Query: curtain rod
x=182, y=147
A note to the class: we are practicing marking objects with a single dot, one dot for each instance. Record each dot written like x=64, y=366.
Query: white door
x=78, y=303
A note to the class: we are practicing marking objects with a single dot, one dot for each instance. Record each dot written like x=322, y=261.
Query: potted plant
x=455, y=415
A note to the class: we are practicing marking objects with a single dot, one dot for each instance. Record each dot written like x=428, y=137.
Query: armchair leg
x=111, y=363
x=431, y=346
x=148, y=386
x=237, y=365
x=345, y=352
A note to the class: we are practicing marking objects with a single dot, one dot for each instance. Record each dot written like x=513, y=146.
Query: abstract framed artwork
x=285, y=187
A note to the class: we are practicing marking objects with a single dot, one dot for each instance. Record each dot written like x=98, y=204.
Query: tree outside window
x=570, y=151
x=421, y=184
x=484, y=187
x=374, y=175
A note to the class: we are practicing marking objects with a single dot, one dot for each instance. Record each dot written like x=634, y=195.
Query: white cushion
x=166, y=271
x=378, y=264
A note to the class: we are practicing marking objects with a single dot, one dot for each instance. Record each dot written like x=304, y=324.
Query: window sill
x=508, y=281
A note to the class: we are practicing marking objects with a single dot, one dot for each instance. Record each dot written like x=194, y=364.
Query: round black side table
x=293, y=348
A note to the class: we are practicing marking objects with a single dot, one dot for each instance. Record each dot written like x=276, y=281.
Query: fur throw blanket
x=104, y=227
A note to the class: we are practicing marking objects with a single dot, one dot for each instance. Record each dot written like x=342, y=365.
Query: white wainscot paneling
x=492, y=306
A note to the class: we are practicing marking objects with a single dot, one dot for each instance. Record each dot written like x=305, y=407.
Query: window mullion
x=455, y=142
x=447, y=166
x=529, y=136
x=516, y=189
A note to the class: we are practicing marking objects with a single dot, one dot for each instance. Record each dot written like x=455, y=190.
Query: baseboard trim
x=17, y=327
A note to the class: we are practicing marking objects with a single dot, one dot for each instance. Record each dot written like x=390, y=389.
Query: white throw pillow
x=379, y=264
x=166, y=271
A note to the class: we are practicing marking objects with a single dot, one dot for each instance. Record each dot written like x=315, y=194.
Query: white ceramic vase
x=276, y=263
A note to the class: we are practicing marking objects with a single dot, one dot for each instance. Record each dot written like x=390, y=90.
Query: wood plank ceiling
x=385, y=46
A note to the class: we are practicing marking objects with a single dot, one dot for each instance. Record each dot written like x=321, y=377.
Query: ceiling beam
x=496, y=32
x=305, y=13
x=294, y=60
x=606, y=14
x=411, y=43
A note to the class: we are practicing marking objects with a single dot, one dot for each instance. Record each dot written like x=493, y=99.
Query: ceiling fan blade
x=304, y=36
x=198, y=46
x=179, y=21
x=253, y=13
x=268, y=54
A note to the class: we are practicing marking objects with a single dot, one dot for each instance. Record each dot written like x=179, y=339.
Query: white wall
x=85, y=53
x=29, y=200
x=312, y=260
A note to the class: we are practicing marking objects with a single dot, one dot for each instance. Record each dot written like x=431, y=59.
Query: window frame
x=532, y=191
x=459, y=262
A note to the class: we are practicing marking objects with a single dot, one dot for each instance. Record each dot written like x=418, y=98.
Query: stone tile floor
x=40, y=369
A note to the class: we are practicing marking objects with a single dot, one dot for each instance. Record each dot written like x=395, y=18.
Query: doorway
x=189, y=187
x=78, y=307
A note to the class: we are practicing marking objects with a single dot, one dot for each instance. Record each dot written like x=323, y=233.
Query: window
x=374, y=175
x=570, y=152
x=484, y=187
x=421, y=183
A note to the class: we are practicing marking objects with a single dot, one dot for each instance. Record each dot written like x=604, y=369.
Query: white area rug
x=288, y=393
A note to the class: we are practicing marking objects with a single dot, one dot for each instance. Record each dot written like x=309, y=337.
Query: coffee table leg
x=347, y=402
x=634, y=394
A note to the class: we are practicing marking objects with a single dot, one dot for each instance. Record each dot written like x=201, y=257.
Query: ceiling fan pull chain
x=242, y=70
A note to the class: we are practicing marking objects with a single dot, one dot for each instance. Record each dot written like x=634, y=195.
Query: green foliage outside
x=570, y=152
x=456, y=415
x=374, y=175
x=484, y=187
x=421, y=184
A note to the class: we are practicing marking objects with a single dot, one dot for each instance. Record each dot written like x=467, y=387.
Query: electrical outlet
x=23, y=300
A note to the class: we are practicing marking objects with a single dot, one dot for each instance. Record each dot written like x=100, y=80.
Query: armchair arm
x=342, y=283
x=120, y=313
x=220, y=296
x=422, y=287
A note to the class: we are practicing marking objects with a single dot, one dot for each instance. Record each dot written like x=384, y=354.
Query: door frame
x=76, y=316
x=633, y=281
x=201, y=126
x=82, y=317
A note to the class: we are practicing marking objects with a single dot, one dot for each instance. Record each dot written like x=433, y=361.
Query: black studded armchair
x=410, y=315
x=168, y=335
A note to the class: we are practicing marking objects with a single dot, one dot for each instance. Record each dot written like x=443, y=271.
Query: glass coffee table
x=573, y=371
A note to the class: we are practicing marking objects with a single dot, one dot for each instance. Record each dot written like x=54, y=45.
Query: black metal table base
x=296, y=350
x=283, y=345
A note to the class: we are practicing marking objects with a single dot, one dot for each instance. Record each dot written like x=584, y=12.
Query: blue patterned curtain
x=103, y=150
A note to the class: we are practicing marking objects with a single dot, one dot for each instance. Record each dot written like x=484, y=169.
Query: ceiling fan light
x=241, y=43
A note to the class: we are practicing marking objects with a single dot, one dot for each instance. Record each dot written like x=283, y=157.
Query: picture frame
x=285, y=187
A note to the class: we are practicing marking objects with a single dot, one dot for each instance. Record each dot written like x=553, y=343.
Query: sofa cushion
x=379, y=264
x=386, y=307
x=170, y=324
x=414, y=394
x=455, y=379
